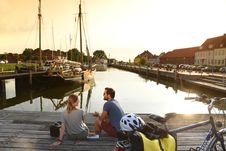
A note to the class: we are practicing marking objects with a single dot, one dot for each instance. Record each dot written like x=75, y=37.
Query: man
x=109, y=119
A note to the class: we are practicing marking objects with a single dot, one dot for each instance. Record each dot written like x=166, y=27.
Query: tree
x=99, y=54
x=74, y=55
x=27, y=54
x=143, y=61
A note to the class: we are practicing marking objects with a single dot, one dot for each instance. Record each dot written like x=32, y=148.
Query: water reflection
x=185, y=87
x=135, y=93
x=49, y=98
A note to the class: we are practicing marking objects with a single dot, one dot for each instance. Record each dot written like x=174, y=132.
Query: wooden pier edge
x=29, y=131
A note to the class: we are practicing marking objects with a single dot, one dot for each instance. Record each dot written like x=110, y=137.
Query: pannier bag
x=153, y=131
x=55, y=129
x=140, y=142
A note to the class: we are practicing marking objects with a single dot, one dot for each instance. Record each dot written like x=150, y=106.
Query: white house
x=212, y=52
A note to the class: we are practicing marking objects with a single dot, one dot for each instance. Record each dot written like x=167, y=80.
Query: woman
x=72, y=122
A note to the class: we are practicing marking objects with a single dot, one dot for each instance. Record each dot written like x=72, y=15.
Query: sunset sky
x=122, y=28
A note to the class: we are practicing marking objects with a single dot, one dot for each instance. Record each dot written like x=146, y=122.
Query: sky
x=122, y=28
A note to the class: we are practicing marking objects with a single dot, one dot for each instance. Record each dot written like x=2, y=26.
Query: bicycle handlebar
x=190, y=98
x=210, y=101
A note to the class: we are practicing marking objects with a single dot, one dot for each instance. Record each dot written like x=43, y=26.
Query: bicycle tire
x=215, y=144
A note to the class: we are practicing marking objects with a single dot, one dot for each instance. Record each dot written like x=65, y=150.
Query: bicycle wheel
x=215, y=144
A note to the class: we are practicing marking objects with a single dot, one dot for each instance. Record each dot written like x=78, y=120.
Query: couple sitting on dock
x=130, y=130
x=73, y=119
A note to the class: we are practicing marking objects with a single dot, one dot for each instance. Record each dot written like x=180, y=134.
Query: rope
x=44, y=35
x=25, y=45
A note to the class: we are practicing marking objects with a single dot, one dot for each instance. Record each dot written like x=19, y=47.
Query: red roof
x=213, y=43
x=183, y=52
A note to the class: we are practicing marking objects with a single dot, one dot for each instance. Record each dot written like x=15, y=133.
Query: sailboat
x=69, y=70
x=87, y=69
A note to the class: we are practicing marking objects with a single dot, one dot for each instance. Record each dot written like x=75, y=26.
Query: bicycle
x=214, y=141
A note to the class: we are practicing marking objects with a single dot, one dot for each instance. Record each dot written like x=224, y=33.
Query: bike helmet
x=131, y=122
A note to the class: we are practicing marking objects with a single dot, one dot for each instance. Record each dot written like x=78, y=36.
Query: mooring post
x=2, y=86
x=30, y=77
x=175, y=75
x=2, y=92
x=157, y=73
x=181, y=80
x=41, y=108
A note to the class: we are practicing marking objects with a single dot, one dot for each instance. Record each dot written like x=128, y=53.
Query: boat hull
x=101, y=67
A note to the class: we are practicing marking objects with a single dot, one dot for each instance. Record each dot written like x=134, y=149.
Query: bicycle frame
x=212, y=132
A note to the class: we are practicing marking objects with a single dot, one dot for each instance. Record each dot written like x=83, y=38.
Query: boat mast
x=80, y=31
x=53, y=41
x=40, y=42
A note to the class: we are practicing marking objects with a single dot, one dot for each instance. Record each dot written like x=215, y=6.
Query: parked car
x=210, y=69
x=200, y=67
x=222, y=69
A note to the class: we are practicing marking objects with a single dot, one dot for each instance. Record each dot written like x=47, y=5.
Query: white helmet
x=131, y=122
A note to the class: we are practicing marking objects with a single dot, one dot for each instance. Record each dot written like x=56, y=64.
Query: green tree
x=143, y=61
x=27, y=54
x=74, y=55
x=99, y=54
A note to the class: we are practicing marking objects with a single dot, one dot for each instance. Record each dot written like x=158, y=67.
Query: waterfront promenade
x=209, y=80
x=29, y=131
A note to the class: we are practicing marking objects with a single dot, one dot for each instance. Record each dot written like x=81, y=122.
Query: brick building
x=179, y=56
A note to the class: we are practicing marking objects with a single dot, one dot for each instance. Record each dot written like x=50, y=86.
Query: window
x=210, y=46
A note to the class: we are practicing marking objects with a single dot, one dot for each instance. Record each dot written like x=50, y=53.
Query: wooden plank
x=29, y=131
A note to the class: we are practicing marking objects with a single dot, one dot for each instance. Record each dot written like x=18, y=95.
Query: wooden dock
x=29, y=131
x=11, y=75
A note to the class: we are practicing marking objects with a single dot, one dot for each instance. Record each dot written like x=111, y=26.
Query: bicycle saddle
x=157, y=118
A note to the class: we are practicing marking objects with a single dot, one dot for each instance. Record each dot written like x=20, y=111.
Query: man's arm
x=103, y=116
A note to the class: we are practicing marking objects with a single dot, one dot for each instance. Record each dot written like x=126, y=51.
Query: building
x=212, y=52
x=179, y=56
x=144, y=58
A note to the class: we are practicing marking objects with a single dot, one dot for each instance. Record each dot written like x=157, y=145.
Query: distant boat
x=101, y=65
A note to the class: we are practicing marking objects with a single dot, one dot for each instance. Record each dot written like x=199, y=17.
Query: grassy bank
x=12, y=66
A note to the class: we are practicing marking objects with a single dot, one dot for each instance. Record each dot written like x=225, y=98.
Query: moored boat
x=71, y=70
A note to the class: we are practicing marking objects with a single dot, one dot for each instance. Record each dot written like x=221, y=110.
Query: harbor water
x=135, y=93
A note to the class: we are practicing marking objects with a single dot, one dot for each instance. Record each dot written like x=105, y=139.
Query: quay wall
x=190, y=77
x=159, y=73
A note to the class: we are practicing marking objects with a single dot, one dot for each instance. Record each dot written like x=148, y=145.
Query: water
x=135, y=93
